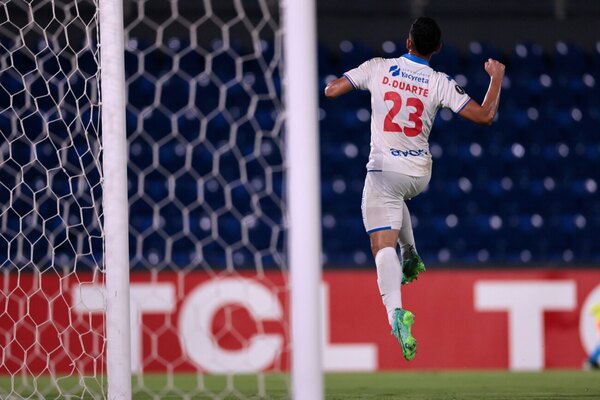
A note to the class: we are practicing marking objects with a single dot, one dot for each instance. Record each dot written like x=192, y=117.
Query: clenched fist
x=494, y=68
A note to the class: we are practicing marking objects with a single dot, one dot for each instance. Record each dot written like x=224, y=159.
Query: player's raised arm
x=338, y=87
x=485, y=113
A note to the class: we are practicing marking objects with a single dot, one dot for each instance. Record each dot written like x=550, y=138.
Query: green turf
x=389, y=385
x=465, y=385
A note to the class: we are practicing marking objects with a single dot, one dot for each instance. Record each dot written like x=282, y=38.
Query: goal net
x=50, y=198
x=204, y=128
x=204, y=121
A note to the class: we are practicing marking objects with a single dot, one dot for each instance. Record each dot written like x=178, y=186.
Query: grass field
x=389, y=385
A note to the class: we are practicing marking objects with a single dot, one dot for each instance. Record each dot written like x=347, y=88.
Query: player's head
x=425, y=36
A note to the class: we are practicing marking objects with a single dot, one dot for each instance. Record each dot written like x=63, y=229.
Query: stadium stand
x=524, y=189
x=519, y=191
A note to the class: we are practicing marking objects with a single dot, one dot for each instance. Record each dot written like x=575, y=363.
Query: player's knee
x=377, y=246
x=383, y=239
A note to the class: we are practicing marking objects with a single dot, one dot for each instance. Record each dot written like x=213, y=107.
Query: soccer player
x=406, y=94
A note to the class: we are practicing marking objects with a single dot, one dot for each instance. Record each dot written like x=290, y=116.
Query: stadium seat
x=448, y=60
x=174, y=93
x=351, y=54
x=569, y=60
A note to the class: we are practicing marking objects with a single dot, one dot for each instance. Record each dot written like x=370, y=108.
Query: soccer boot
x=403, y=321
x=412, y=266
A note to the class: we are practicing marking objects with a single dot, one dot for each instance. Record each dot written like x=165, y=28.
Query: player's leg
x=389, y=269
x=389, y=277
x=382, y=216
x=412, y=264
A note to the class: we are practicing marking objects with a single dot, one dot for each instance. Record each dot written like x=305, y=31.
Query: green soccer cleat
x=403, y=321
x=412, y=267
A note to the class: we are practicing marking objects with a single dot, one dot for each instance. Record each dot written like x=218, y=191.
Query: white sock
x=389, y=279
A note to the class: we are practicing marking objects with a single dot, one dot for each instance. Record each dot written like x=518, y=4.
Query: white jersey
x=406, y=94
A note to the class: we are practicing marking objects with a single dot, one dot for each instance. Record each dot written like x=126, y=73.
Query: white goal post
x=115, y=200
x=304, y=237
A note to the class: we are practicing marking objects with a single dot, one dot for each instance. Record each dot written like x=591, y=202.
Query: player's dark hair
x=426, y=35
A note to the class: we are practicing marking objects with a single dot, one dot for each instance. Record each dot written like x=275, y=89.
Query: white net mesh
x=50, y=192
x=204, y=123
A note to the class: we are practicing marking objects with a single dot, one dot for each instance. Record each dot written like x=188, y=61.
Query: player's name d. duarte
x=409, y=153
x=402, y=85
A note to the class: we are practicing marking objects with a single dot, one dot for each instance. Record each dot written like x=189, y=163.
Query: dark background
x=522, y=192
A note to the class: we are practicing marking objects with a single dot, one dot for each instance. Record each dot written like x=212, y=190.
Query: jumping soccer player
x=406, y=94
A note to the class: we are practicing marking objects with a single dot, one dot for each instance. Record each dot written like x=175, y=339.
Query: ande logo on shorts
x=408, y=153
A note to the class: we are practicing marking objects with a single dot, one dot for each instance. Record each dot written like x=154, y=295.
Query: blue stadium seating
x=506, y=194
x=522, y=191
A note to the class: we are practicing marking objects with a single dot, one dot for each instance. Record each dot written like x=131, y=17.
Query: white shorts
x=383, y=198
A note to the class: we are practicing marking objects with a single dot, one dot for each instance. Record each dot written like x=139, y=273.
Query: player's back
x=406, y=94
